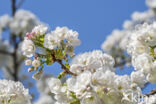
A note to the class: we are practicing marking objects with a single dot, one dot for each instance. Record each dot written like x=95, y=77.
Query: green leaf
x=67, y=65
x=75, y=102
x=59, y=54
x=62, y=74
x=49, y=60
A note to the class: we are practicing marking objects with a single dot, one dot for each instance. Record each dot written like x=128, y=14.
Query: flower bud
x=30, y=69
x=37, y=75
x=36, y=63
x=28, y=62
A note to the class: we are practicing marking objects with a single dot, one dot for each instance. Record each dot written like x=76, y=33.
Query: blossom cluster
x=95, y=83
x=142, y=49
x=151, y=3
x=87, y=78
x=13, y=93
x=62, y=38
x=49, y=47
x=22, y=22
x=116, y=43
x=46, y=97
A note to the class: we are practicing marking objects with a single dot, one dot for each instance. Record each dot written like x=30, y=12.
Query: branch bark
x=5, y=52
x=62, y=65
x=122, y=63
x=13, y=5
x=13, y=38
x=151, y=93
x=65, y=68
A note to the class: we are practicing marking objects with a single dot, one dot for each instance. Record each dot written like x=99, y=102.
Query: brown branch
x=65, y=68
x=122, y=63
x=5, y=52
x=21, y=60
x=151, y=93
x=15, y=43
x=13, y=5
x=15, y=60
x=9, y=71
x=62, y=65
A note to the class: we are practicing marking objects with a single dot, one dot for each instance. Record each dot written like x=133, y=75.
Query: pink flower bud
x=30, y=35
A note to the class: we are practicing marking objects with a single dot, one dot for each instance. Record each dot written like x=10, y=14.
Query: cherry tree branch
x=62, y=65
x=9, y=71
x=151, y=93
x=15, y=43
x=13, y=5
x=122, y=63
x=65, y=68
x=5, y=52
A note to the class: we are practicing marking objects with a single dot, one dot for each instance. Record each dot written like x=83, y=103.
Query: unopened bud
x=30, y=69
x=36, y=63
x=37, y=75
x=28, y=62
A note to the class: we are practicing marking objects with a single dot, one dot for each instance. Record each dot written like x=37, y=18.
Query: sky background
x=93, y=19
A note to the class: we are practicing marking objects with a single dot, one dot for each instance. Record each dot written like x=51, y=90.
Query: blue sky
x=93, y=19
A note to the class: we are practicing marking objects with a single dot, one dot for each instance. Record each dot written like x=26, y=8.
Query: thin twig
x=151, y=93
x=65, y=68
x=62, y=65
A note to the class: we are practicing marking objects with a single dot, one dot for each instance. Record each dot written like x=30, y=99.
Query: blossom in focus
x=28, y=48
x=141, y=47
